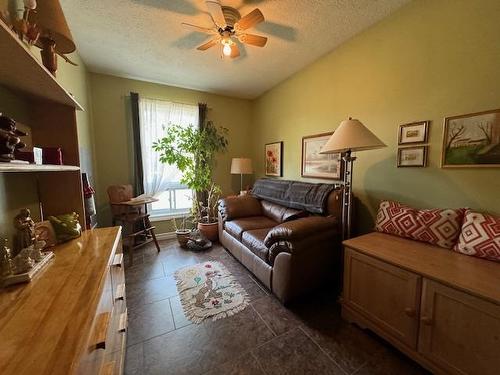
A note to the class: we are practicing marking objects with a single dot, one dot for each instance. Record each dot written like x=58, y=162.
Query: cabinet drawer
x=388, y=296
x=459, y=332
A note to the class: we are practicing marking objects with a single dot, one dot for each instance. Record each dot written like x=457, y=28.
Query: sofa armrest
x=242, y=206
x=299, y=229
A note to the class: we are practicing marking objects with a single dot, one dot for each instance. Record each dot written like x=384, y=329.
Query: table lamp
x=241, y=166
x=350, y=136
x=55, y=37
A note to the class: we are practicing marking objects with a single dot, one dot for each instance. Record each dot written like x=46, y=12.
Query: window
x=163, y=180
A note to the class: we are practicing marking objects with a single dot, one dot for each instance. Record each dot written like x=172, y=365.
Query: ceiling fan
x=228, y=26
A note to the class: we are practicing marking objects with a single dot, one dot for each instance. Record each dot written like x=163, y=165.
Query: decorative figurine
x=25, y=227
x=9, y=138
x=5, y=261
x=22, y=262
x=36, y=250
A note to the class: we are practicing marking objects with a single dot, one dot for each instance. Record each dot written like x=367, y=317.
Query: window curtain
x=156, y=116
x=138, y=170
x=202, y=196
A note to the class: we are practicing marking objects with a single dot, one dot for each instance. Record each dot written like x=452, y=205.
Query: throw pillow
x=480, y=236
x=439, y=227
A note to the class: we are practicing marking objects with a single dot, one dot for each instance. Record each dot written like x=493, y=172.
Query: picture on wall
x=412, y=156
x=274, y=161
x=472, y=140
x=415, y=132
x=318, y=165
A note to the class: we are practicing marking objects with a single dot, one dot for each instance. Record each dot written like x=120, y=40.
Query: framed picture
x=45, y=231
x=412, y=156
x=318, y=165
x=274, y=159
x=415, y=132
x=472, y=140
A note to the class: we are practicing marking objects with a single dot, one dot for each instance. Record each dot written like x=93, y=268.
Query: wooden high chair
x=129, y=213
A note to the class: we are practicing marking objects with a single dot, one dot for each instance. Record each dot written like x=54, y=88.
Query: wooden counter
x=45, y=325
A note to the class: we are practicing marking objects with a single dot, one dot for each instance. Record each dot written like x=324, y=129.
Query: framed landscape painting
x=412, y=156
x=472, y=140
x=316, y=165
x=274, y=159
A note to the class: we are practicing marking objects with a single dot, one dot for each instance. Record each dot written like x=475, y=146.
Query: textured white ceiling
x=144, y=39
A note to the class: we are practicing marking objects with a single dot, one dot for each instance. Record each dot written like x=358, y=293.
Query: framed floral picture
x=274, y=159
x=412, y=156
x=316, y=165
x=472, y=140
x=415, y=132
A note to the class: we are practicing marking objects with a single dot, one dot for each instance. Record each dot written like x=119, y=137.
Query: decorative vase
x=182, y=236
x=210, y=231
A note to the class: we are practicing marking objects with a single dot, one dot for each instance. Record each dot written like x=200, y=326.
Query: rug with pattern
x=209, y=290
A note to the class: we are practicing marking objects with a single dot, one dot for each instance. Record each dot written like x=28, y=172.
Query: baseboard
x=165, y=236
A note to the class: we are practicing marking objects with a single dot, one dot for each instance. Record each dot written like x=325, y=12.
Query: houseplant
x=193, y=150
x=182, y=232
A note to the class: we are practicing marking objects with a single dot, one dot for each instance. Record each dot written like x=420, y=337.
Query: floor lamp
x=349, y=137
x=241, y=166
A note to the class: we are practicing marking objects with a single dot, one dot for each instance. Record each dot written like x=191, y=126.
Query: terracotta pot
x=182, y=237
x=210, y=231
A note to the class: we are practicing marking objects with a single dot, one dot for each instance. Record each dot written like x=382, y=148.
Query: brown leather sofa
x=289, y=250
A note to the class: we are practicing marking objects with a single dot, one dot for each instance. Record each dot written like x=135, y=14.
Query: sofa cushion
x=254, y=240
x=236, y=227
x=439, y=227
x=480, y=236
x=241, y=206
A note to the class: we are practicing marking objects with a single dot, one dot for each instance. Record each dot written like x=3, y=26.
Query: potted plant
x=182, y=232
x=193, y=151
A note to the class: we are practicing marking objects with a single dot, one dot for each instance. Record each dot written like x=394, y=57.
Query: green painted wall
x=430, y=59
x=113, y=132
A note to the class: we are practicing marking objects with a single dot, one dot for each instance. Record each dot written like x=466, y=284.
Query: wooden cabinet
x=69, y=319
x=459, y=332
x=439, y=307
x=387, y=295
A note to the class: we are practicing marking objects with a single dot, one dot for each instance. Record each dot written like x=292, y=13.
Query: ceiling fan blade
x=198, y=28
x=254, y=40
x=235, y=51
x=215, y=10
x=250, y=20
x=208, y=44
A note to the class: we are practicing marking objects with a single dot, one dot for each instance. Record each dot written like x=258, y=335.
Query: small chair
x=137, y=228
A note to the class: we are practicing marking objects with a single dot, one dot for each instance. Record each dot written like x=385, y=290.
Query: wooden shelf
x=21, y=71
x=14, y=167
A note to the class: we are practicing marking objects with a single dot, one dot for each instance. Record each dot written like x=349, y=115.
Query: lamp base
x=347, y=201
x=49, y=56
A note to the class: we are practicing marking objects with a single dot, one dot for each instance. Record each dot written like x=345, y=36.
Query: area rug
x=208, y=290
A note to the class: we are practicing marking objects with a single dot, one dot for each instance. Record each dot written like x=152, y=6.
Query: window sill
x=165, y=217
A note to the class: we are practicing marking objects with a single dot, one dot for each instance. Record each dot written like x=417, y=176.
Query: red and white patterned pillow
x=439, y=227
x=480, y=236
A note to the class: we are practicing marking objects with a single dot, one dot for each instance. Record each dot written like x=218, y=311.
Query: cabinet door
x=387, y=295
x=459, y=332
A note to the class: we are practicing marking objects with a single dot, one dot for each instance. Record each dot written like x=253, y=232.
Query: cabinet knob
x=426, y=320
x=410, y=312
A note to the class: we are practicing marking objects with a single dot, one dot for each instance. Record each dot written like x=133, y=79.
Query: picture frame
x=44, y=231
x=471, y=140
x=273, y=158
x=316, y=165
x=412, y=156
x=413, y=133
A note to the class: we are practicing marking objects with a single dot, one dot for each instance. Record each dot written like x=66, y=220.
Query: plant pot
x=210, y=231
x=183, y=237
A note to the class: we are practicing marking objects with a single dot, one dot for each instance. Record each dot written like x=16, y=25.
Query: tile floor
x=265, y=338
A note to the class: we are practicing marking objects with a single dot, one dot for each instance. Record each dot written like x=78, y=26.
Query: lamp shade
x=51, y=22
x=351, y=135
x=241, y=166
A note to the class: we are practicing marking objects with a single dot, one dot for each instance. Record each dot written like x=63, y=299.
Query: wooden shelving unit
x=52, y=123
x=19, y=168
x=22, y=72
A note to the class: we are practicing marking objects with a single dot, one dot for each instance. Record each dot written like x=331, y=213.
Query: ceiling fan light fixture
x=226, y=50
